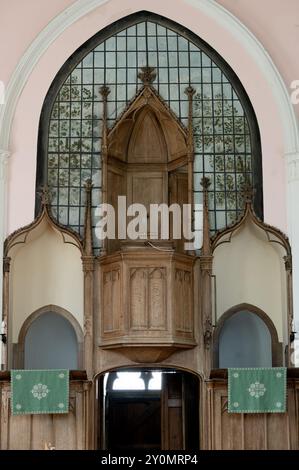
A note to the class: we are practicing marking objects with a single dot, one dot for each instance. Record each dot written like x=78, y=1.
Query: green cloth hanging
x=39, y=391
x=257, y=390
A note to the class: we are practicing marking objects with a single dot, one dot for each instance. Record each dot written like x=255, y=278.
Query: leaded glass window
x=226, y=136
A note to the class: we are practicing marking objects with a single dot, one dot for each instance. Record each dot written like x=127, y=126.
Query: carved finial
x=288, y=262
x=208, y=333
x=206, y=244
x=190, y=91
x=45, y=195
x=105, y=91
x=247, y=192
x=6, y=264
x=88, y=187
x=88, y=222
x=147, y=75
x=205, y=183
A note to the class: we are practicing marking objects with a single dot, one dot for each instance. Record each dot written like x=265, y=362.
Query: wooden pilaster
x=104, y=90
x=206, y=264
x=88, y=270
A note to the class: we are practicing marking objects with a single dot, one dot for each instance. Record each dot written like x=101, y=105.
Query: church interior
x=148, y=328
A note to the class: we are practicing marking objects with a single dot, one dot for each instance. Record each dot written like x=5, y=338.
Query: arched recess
x=276, y=346
x=19, y=353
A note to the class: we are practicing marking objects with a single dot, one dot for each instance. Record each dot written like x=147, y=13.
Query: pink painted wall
x=20, y=23
x=274, y=22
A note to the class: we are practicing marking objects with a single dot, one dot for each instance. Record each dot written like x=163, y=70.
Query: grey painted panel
x=51, y=343
x=245, y=341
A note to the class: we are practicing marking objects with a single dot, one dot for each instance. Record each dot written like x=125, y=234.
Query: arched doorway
x=148, y=408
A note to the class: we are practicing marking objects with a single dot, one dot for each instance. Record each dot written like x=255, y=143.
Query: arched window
x=226, y=135
x=51, y=343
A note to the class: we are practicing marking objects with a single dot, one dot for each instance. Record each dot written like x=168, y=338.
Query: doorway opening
x=156, y=409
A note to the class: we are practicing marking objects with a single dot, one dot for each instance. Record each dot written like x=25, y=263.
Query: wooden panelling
x=183, y=300
x=138, y=298
x=111, y=300
x=36, y=432
x=148, y=298
x=149, y=304
x=254, y=431
x=157, y=298
x=260, y=431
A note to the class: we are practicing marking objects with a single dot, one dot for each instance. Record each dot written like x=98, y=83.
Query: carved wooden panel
x=111, y=300
x=267, y=431
x=183, y=300
x=148, y=298
x=157, y=298
x=155, y=306
x=138, y=298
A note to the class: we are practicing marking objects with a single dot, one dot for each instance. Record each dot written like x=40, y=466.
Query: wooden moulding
x=78, y=375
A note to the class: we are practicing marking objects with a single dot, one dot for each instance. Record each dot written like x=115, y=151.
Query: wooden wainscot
x=147, y=303
x=70, y=431
x=245, y=431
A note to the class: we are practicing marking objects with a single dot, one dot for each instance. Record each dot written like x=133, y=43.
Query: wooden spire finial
x=147, y=75
x=247, y=192
x=206, y=245
x=190, y=92
x=105, y=91
x=45, y=195
x=190, y=146
x=88, y=220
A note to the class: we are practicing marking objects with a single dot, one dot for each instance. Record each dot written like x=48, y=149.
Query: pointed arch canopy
x=147, y=130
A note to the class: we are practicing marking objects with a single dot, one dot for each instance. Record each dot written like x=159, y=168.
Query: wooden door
x=180, y=411
x=133, y=420
x=172, y=412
